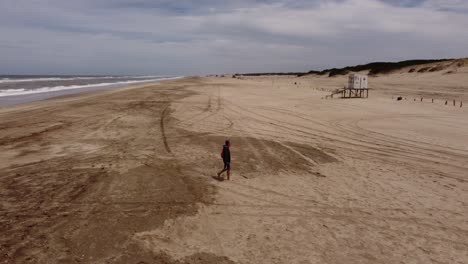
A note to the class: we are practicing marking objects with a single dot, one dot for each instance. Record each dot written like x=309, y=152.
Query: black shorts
x=227, y=165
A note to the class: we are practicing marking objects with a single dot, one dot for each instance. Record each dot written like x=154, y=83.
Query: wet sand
x=128, y=176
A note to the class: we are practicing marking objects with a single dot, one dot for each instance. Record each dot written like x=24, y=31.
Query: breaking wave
x=21, y=91
x=48, y=79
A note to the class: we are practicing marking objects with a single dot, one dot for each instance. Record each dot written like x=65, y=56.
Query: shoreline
x=19, y=100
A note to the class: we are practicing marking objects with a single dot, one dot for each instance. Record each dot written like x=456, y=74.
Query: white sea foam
x=8, y=80
x=44, y=79
x=21, y=91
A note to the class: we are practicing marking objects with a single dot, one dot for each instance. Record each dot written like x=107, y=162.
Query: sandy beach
x=128, y=176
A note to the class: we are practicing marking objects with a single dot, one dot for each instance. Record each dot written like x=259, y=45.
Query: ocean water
x=19, y=89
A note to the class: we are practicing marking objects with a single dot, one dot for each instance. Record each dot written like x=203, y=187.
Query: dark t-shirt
x=226, y=154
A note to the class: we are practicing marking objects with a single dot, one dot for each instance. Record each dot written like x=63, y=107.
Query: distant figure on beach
x=226, y=156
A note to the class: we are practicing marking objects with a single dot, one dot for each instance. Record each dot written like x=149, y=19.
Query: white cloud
x=94, y=37
x=460, y=6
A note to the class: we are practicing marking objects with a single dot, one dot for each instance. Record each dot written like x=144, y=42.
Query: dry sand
x=127, y=176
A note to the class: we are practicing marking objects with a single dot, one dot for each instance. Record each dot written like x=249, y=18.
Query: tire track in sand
x=163, y=131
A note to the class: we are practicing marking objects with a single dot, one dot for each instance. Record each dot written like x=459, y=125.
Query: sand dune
x=127, y=176
x=442, y=81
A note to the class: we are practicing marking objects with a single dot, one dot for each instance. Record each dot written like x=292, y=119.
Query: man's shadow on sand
x=220, y=179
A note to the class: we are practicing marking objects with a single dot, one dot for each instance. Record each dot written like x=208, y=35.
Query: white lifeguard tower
x=356, y=87
x=357, y=81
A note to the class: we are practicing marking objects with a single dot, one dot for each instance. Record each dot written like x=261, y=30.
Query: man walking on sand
x=226, y=155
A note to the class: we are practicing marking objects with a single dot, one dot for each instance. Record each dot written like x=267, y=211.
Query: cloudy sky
x=216, y=36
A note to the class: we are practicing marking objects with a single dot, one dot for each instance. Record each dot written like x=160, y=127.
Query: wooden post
x=461, y=103
x=432, y=100
x=421, y=99
x=453, y=102
x=446, y=102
